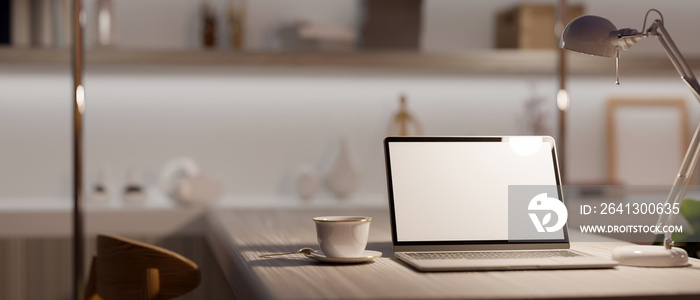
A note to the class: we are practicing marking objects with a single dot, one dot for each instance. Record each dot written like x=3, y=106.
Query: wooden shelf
x=495, y=61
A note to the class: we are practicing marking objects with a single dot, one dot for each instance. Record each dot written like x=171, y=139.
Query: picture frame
x=647, y=139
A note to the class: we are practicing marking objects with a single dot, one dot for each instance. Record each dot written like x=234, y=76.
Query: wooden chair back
x=128, y=269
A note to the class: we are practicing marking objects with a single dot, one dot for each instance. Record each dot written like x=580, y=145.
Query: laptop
x=479, y=203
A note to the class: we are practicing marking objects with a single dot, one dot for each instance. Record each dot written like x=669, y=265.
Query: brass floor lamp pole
x=562, y=97
x=77, y=58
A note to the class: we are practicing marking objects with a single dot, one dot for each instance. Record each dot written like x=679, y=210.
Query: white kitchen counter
x=158, y=216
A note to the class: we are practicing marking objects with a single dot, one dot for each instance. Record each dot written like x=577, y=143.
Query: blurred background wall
x=251, y=126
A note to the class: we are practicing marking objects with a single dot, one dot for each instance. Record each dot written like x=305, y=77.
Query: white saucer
x=366, y=256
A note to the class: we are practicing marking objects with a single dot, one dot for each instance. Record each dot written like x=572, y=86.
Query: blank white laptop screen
x=458, y=190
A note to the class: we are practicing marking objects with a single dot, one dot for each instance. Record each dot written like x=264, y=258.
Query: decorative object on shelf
x=306, y=36
x=236, y=23
x=535, y=115
x=100, y=191
x=175, y=170
x=182, y=180
x=598, y=36
x=134, y=192
x=529, y=26
x=342, y=179
x=197, y=190
x=105, y=23
x=307, y=181
x=404, y=123
x=392, y=24
x=21, y=20
x=42, y=21
x=208, y=24
x=36, y=23
x=62, y=23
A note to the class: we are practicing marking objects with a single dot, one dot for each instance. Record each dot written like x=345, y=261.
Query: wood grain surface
x=239, y=236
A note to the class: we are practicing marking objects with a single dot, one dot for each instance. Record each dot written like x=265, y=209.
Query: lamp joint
x=668, y=243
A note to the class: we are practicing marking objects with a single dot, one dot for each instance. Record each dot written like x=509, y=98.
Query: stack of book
x=35, y=23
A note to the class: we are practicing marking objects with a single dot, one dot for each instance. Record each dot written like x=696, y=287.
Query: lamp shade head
x=592, y=35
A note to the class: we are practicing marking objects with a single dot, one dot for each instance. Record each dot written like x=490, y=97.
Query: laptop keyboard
x=493, y=254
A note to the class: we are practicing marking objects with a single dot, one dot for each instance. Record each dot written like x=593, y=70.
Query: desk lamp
x=597, y=36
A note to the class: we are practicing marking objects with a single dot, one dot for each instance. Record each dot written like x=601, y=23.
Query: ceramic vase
x=307, y=181
x=342, y=179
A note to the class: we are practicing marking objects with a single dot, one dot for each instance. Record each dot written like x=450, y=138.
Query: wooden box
x=391, y=24
x=530, y=26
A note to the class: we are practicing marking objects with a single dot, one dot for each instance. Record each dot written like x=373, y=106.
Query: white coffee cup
x=342, y=236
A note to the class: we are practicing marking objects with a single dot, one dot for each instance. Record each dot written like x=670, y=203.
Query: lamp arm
x=658, y=30
x=680, y=184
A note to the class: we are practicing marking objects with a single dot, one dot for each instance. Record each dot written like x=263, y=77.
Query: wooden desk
x=238, y=236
